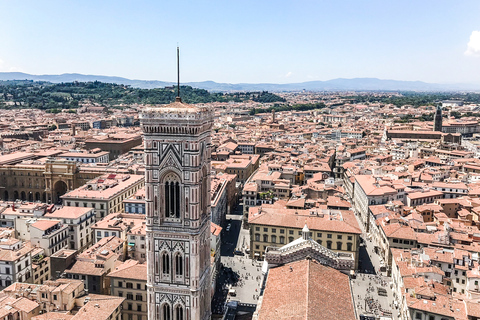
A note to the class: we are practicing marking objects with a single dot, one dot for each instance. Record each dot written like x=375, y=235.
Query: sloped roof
x=306, y=290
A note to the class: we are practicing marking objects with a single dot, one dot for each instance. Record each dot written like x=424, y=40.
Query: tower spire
x=178, y=99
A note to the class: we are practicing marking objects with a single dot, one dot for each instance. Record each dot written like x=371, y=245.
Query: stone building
x=177, y=176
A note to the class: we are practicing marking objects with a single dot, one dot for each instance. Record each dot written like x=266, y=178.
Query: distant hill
x=69, y=95
x=356, y=84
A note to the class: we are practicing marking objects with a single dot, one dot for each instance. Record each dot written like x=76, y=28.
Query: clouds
x=473, y=46
x=289, y=74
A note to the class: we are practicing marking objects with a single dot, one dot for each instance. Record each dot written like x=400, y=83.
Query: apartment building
x=274, y=225
x=79, y=221
x=105, y=194
x=52, y=235
x=129, y=280
x=93, y=265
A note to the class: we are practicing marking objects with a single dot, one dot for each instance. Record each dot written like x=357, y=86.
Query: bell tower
x=177, y=182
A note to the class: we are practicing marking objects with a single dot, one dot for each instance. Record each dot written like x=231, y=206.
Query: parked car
x=238, y=252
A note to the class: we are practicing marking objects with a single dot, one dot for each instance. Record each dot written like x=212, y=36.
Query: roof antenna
x=178, y=99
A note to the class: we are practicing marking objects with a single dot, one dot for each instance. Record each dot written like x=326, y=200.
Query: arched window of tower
x=179, y=312
x=166, y=312
x=172, y=195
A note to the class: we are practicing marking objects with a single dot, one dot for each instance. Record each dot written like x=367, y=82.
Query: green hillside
x=45, y=95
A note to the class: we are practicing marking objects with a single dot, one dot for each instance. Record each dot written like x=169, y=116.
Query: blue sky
x=244, y=41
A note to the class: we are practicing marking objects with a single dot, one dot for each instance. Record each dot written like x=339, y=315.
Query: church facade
x=177, y=182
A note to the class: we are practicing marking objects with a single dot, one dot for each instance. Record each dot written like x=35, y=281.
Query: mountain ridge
x=338, y=84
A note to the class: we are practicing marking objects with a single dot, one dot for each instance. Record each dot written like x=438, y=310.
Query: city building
x=129, y=280
x=273, y=225
x=93, y=265
x=105, y=194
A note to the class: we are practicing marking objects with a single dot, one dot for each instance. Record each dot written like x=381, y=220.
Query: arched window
x=179, y=313
x=178, y=264
x=257, y=237
x=282, y=239
x=290, y=239
x=172, y=196
x=339, y=246
x=349, y=246
x=265, y=238
x=166, y=312
x=329, y=244
x=274, y=239
x=165, y=264
x=319, y=242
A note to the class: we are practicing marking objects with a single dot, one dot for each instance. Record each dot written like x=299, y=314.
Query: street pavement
x=239, y=272
x=369, y=279
x=373, y=296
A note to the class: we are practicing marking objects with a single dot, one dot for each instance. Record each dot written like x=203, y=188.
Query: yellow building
x=274, y=225
x=129, y=280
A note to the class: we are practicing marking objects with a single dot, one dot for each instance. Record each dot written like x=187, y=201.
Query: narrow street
x=240, y=275
x=371, y=289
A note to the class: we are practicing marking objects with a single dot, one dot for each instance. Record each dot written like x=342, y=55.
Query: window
x=476, y=282
x=329, y=236
x=165, y=264
x=265, y=238
x=138, y=297
x=179, y=313
x=339, y=236
x=290, y=239
x=329, y=244
x=106, y=234
x=319, y=242
x=166, y=312
x=178, y=264
x=265, y=229
x=319, y=234
x=282, y=231
x=120, y=293
x=395, y=240
x=290, y=231
x=129, y=296
x=339, y=245
x=349, y=246
x=274, y=230
x=257, y=237
x=274, y=239
x=129, y=306
x=54, y=297
x=139, y=307
x=282, y=239
x=350, y=238
x=139, y=286
x=172, y=196
x=129, y=285
x=120, y=284
x=257, y=228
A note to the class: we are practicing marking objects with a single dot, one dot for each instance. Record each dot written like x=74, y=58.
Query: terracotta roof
x=130, y=269
x=306, y=290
